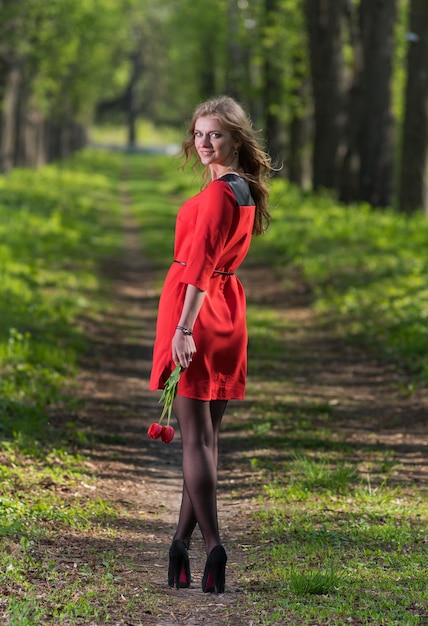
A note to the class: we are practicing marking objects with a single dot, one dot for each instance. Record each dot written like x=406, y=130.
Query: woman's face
x=213, y=143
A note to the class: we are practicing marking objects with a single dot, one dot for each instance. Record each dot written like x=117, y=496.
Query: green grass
x=157, y=189
x=336, y=557
x=147, y=135
x=367, y=269
x=55, y=235
x=337, y=537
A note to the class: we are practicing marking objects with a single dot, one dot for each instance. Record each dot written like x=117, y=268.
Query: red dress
x=213, y=232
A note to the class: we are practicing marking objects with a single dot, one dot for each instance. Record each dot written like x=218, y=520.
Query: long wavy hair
x=253, y=160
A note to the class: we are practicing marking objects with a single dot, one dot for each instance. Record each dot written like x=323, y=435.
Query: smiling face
x=215, y=145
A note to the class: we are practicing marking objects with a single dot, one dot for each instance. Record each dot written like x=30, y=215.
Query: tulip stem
x=169, y=392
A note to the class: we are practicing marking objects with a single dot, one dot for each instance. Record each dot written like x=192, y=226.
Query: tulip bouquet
x=166, y=433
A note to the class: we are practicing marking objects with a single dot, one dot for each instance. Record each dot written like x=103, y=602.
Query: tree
x=414, y=157
x=296, y=92
x=325, y=28
x=55, y=59
x=273, y=76
x=368, y=165
x=377, y=131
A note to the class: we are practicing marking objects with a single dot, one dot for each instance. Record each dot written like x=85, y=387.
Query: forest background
x=338, y=88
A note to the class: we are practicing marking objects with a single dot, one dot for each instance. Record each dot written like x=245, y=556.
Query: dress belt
x=215, y=271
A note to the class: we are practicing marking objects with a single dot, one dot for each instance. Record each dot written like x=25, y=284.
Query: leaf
x=169, y=392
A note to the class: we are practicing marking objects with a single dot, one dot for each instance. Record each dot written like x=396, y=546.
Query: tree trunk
x=132, y=99
x=349, y=180
x=22, y=156
x=298, y=165
x=8, y=119
x=234, y=54
x=273, y=89
x=324, y=23
x=376, y=141
x=414, y=158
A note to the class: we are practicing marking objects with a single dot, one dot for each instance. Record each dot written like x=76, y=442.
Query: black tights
x=199, y=423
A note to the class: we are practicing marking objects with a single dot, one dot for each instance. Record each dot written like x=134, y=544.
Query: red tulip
x=155, y=431
x=167, y=434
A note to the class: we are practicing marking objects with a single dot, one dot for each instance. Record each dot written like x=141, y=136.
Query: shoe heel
x=179, y=566
x=214, y=577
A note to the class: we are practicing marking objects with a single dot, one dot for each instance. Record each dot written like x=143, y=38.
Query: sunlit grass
x=356, y=553
x=148, y=135
x=57, y=227
x=366, y=267
x=315, y=583
x=54, y=236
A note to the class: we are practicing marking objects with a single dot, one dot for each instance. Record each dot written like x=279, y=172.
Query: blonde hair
x=255, y=163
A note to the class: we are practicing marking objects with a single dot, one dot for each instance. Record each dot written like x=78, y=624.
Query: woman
x=201, y=320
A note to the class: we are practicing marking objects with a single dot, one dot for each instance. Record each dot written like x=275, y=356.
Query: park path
x=142, y=477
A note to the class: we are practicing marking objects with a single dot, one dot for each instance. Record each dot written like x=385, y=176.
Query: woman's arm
x=183, y=346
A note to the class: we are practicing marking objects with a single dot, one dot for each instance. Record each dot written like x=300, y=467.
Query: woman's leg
x=199, y=423
x=217, y=409
x=187, y=519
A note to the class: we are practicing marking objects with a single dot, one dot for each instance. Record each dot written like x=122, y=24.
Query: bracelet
x=185, y=331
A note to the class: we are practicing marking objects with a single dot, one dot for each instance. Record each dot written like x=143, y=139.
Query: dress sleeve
x=213, y=224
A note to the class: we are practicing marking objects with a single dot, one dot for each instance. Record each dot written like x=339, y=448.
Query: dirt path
x=143, y=476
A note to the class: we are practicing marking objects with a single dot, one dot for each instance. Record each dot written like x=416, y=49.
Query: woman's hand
x=183, y=348
x=183, y=345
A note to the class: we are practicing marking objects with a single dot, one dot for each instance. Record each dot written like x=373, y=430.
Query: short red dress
x=212, y=237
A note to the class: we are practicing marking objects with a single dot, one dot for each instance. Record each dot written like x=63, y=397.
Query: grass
x=54, y=240
x=148, y=136
x=365, y=267
x=332, y=548
x=156, y=190
x=335, y=535
x=317, y=583
x=55, y=236
x=338, y=558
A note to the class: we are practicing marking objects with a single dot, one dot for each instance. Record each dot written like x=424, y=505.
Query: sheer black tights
x=199, y=423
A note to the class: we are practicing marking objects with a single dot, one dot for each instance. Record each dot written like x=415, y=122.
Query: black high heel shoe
x=179, y=566
x=215, y=571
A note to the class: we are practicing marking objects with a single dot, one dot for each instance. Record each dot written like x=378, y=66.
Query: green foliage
x=75, y=55
x=157, y=188
x=66, y=49
x=149, y=135
x=366, y=268
x=54, y=237
x=57, y=226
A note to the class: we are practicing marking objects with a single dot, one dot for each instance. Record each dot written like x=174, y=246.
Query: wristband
x=184, y=330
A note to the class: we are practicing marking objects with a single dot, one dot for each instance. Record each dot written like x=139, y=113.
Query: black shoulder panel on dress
x=240, y=188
